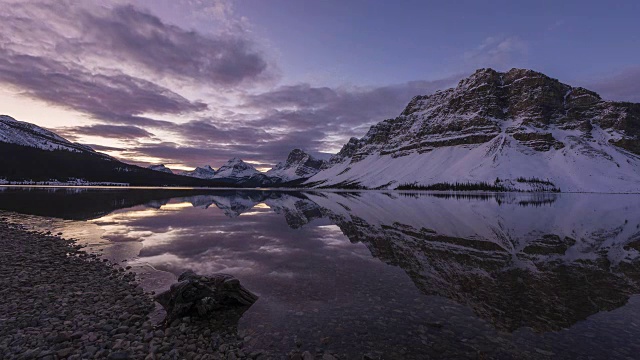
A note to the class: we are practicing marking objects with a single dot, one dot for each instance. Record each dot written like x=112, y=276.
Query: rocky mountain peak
x=296, y=156
x=206, y=168
x=235, y=168
x=161, y=168
x=497, y=116
x=347, y=151
x=235, y=162
x=298, y=165
x=201, y=172
x=487, y=98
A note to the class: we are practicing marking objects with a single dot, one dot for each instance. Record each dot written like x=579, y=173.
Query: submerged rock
x=204, y=296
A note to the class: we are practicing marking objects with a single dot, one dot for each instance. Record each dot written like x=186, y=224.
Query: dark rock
x=64, y=352
x=204, y=296
x=120, y=355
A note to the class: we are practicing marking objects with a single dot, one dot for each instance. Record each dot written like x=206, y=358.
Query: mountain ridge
x=298, y=165
x=27, y=134
x=518, y=128
x=33, y=155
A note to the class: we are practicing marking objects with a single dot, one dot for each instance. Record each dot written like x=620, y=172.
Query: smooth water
x=390, y=274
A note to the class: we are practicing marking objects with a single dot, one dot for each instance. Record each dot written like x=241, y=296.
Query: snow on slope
x=160, y=168
x=570, y=169
x=26, y=134
x=204, y=172
x=298, y=165
x=235, y=169
x=502, y=128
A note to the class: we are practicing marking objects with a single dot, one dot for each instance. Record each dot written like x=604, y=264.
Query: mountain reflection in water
x=527, y=264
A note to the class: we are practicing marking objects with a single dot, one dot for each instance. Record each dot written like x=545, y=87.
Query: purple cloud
x=204, y=131
x=106, y=96
x=121, y=65
x=623, y=86
x=301, y=116
x=123, y=35
x=340, y=113
x=225, y=60
x=498, y=51
x=104, y=130
x=110, y=62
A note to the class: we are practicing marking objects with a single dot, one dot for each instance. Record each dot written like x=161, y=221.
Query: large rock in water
x=204, y=296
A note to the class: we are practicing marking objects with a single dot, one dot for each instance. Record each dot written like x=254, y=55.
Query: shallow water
x=390, y=274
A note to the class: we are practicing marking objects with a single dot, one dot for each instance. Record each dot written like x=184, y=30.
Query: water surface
x=390, y=274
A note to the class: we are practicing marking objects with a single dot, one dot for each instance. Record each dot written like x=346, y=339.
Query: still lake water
x=395, y=275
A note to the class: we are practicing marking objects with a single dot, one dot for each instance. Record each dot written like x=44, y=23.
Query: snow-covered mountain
x=160, y=168
x=299, y=165
x=236, y=169
x=204, y=172
x=514, y=130
x=22, y=133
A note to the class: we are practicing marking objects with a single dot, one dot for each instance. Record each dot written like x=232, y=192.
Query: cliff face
x=299, y=165
x=478, y=130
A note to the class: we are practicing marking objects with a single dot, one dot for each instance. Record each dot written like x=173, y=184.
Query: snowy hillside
x=515, y=130
x=26, y=134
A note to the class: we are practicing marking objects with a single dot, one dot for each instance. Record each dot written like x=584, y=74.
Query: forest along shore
x=60, y=302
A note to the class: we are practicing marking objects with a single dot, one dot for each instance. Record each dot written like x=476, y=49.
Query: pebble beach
x=60, y=302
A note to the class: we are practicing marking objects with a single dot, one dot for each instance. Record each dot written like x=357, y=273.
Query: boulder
x=204, y=296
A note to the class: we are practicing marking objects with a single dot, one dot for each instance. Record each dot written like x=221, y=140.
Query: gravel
x=59, y=302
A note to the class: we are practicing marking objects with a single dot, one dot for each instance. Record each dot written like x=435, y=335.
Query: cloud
x=104, y=148
x=107, y=96
x=128, y=69
x=623, y=86
x=224, y=60
x=123, y=34
x=107, y=131
x=118, y=63
x=315, y=119
x=497, y=51
x=204, y=131
x=334, y=115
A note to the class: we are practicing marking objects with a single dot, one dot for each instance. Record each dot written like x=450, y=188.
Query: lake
x=395, y=275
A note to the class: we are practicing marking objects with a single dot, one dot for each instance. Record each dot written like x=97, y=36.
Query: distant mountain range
x=514, y=131
x=32, y=154
x=298, y=167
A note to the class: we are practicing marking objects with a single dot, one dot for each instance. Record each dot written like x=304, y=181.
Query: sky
x=190, y=83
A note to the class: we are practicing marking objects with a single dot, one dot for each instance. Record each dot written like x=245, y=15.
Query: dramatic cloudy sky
x=194, y=82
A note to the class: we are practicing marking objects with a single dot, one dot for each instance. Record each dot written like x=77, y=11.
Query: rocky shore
x=59, y=302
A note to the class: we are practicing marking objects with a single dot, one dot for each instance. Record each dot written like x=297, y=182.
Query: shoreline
x=335, y=190
x=60, y=302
